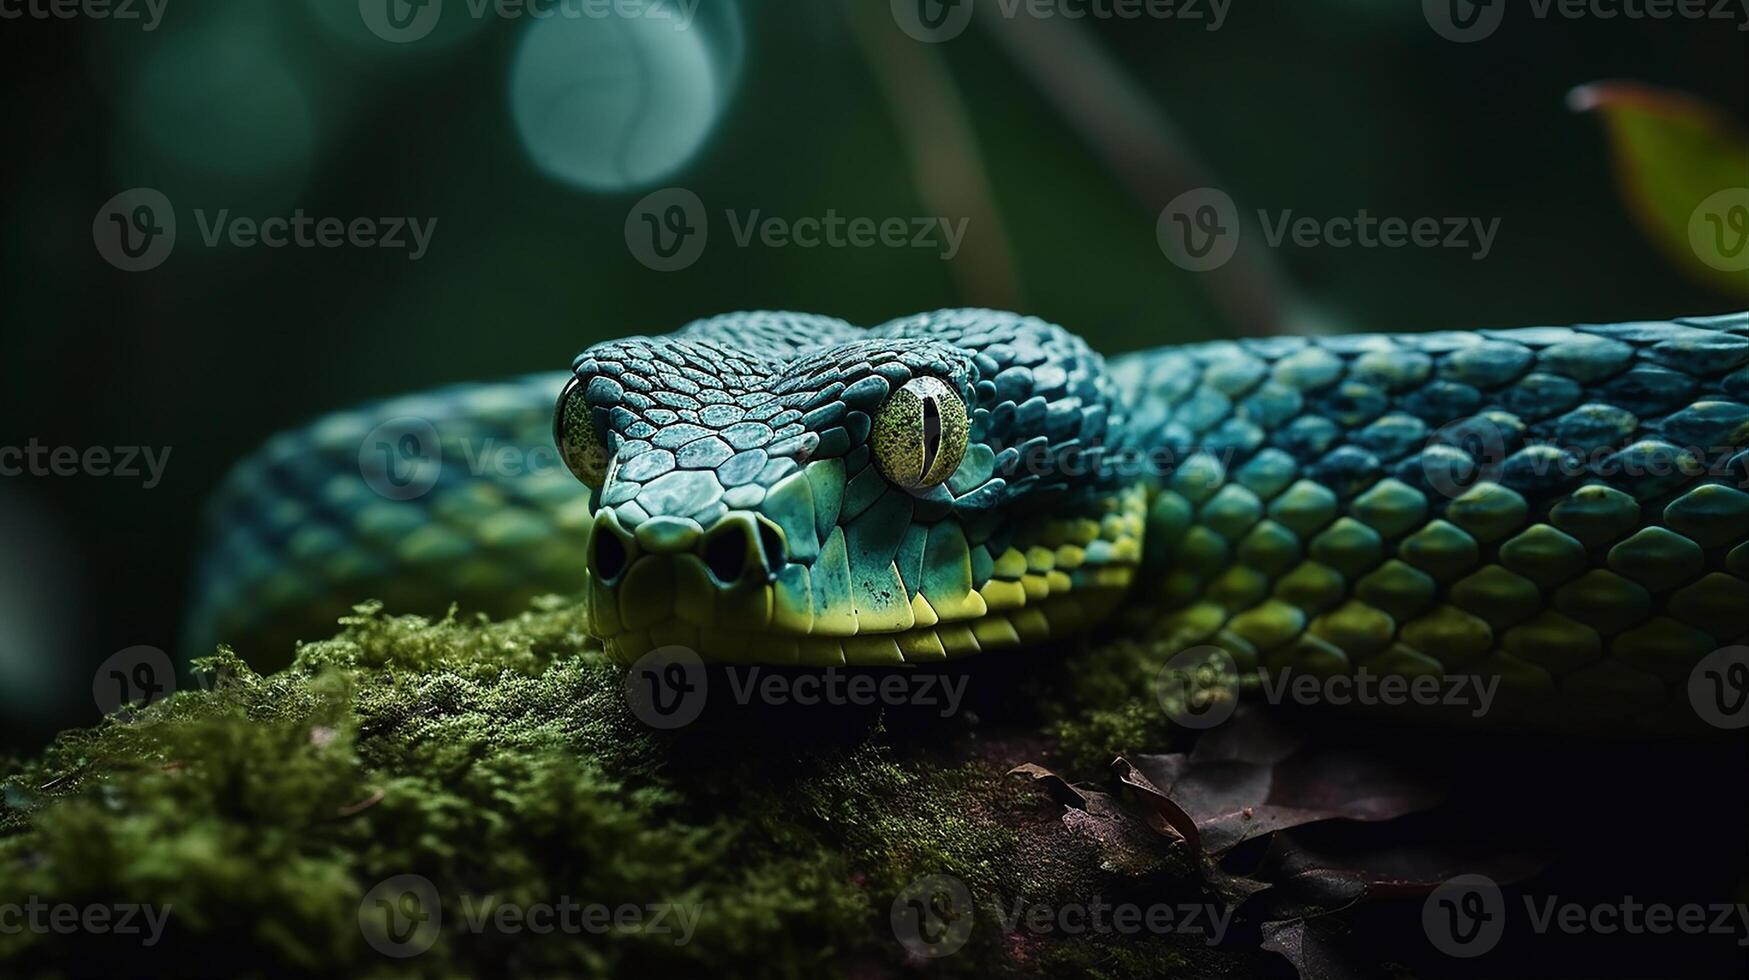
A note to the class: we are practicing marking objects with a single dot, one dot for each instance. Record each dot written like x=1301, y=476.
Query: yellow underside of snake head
x=740, y=591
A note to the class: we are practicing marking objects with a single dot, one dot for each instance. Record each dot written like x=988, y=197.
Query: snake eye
x=920, y=434
x=578, y=437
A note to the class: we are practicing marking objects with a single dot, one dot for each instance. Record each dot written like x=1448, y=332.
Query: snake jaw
x=1056, y=577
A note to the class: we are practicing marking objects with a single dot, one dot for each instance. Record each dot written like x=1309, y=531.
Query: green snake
x=1558, y=508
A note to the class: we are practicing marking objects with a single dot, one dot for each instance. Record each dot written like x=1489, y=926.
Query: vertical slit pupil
x=931, y=434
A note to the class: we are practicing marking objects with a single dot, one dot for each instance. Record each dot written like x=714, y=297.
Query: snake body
x=1559, y=509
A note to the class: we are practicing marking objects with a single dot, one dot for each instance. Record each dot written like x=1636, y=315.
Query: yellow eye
x=920, y=434
x=578, y=437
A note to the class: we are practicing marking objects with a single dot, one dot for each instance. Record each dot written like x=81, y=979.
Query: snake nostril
x=726, y=554
x=771, y=545
x=607, y=555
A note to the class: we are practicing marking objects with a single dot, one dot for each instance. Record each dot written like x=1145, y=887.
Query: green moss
x=499, y=759
x=1109, y=705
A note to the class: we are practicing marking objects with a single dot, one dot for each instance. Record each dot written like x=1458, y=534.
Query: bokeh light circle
x=616, y=102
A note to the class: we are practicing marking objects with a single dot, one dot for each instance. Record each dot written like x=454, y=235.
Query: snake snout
x=741, y=545
x=738, y=546
x=669, y=580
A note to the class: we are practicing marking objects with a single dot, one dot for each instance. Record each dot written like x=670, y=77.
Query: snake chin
x=747, y=591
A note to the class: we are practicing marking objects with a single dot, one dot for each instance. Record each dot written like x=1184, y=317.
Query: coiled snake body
x=1557, y=508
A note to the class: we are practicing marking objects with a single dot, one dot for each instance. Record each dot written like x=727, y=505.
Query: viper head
x=783, y=488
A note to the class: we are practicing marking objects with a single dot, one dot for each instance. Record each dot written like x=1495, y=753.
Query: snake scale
x=1558, y=508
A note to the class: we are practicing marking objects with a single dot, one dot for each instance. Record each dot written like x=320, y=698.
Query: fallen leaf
x=1163, y=814
x=1312, y=948
x=1054, y=784
x=1683, y=169
x=1127, y=844
x=1257, y=776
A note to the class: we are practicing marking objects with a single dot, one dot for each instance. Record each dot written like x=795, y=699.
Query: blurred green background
x=530, y=140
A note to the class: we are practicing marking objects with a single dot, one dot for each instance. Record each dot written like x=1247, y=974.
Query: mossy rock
x=501, y=764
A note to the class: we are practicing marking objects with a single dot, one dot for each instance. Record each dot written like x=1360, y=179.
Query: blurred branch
x=1139, y=143
x=943, y=152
